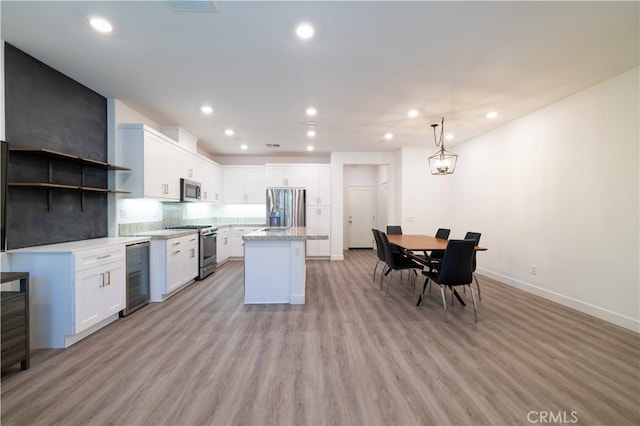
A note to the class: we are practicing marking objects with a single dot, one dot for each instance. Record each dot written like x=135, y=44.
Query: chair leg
x=383, y=274
x=478, y=286
x=475, y=306
x=389, y=282
x=374, y=271
x=452, y=294
x=444, y=302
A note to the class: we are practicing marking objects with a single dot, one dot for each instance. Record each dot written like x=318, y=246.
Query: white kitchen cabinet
x=237, y=245
x=286, y=176
x=76, y=288
x=319, y=185
x=223, y=245
x=319, y=217
x=99, y=293
x=191, y=166
x=212, y=182
x=153, y=159
x=244, y=184
x=174, y=263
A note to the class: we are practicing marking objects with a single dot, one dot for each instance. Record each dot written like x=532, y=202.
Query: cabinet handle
x=176, y=244
x=193, y=253
x=319, y=200
x=225, y=240
x=103, y=257
x=101, y=280
x=177, y=251
x=286, y=182
x=108, y=278
x=193, y=239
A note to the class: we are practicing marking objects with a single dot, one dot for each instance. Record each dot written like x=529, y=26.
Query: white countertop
x=165, y=234
x=286, y=234
x=73, y=246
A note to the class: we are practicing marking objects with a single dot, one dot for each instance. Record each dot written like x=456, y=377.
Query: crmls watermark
x=552, y=417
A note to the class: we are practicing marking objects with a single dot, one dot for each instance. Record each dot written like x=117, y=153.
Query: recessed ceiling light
x=311, y=111
x=310, y=148
x=492, y=114
x=243, y=147
x=100, y=24
x=413, y=113
x=305, y=31
x=388, y=136
x=229, y=132
x=311, y=133
x=449, y=136
x=206, y=109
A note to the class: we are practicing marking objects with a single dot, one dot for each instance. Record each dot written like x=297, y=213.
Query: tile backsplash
x=137, y=215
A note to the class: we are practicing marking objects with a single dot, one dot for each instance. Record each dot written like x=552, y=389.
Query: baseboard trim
x=578, y=305
x=337, y=257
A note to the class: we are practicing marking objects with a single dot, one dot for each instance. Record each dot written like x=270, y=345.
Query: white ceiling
x=368, y=64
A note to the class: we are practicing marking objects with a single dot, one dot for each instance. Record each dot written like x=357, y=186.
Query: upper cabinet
x=157, y=163
x=286, y=176
x=212, y=182
x=244, y=184
x=319, y=185
x=152, y=158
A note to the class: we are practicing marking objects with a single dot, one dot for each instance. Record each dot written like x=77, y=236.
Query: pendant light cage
x=442, y=162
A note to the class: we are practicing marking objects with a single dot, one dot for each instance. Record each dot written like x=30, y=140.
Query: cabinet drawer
x=91, y=258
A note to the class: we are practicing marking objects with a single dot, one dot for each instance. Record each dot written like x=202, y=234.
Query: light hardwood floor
x=350, y=356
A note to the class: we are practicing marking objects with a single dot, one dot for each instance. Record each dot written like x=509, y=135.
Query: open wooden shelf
x=45, y=152
x=49, y=186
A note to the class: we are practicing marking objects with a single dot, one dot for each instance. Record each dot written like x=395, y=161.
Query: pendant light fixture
x=442, y=162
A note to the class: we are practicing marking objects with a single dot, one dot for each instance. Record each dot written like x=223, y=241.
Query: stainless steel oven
x=208, y=255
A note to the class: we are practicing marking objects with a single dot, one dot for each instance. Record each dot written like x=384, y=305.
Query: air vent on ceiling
x=273, y=145
x=194, y=6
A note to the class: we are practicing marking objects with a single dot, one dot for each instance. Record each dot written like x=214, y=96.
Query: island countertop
x=294, y=233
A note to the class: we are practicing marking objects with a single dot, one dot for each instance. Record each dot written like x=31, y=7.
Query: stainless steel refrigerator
x=286, y=207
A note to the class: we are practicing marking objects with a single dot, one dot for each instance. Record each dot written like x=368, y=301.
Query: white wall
x=558, y=189
x=338, y=162
x=425, y=199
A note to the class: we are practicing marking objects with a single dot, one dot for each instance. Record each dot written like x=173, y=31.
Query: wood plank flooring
x=350, y=356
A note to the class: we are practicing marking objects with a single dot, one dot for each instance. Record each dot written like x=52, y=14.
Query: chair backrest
x=389, y=258
x=444, y=234
x=476, y=237
x=379, y=248
x=394, y=229
x=456, y=265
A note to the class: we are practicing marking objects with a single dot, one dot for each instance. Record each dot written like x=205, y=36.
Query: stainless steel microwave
x=189, y=190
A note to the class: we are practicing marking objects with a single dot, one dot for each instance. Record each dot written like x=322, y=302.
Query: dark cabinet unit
x=14, y=321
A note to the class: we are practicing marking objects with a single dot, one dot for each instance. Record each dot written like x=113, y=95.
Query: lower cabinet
x=319, y=217
x=99, y=293
x=237, y=245
x=74, y=292
x=223, y=245
x=174, y=263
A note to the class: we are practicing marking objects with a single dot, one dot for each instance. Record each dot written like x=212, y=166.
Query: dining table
x=410, y=243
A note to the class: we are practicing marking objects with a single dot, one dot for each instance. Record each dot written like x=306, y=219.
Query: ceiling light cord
x=438, y=141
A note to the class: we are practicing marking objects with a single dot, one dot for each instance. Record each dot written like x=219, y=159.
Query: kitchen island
x=275, y=264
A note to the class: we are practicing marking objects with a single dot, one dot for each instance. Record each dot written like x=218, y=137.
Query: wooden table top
x=421, y=242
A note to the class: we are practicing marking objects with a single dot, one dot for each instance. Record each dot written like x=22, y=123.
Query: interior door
x=360, y=216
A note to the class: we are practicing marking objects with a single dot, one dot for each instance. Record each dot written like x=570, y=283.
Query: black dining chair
x=395, y=262
x=435, y=256
x=394, y=229
x=456, y=269
x=380, y=253
x=476, y=237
